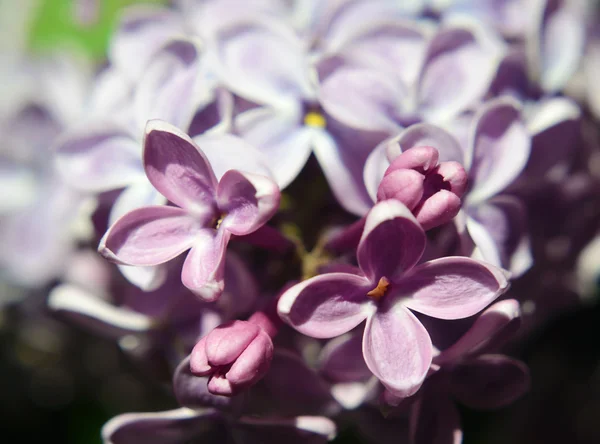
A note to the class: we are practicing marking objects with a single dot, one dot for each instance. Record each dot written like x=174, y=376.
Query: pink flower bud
x=236, y=355
x=431, y=190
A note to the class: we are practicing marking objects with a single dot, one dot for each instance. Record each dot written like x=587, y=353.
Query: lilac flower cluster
x=439, y=126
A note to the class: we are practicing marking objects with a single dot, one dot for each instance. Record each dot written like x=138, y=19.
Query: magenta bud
x=235, y=356
x=431, y=190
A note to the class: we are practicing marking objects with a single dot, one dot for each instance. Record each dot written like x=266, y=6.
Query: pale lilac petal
x=204, y=268
x=459, y=67
x=362, y=99
x=392, y=241
x=397, y=349
x=376, y=165
x=396, y=46
x=327, y=305
x=490, y=381
x=137, y=195
x=498, y=149
x=177, y=168
x=170, y=87
x=435, y=420
x=141, y=32
x=263, y=62
x=424, y=134
x=96, y=314
x=145, y=278
x=341, y=153
x=150, y=236
x=247, y=200
x=452, y=287
x=98, y=158
x=496, y=323
x=281, y=138
x=555, y=43
x=228, y=152
x=168, y=427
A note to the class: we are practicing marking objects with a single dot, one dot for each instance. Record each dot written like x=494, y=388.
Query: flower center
x=315, y=119
x=219, y=220
x=378, y=292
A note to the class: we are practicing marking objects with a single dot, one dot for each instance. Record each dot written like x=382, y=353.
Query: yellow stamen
x=378, y=292
x=315, y=119
x=219, y=221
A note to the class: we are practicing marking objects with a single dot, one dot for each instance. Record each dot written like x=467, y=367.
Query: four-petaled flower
x=208, y=212
x=396, y=346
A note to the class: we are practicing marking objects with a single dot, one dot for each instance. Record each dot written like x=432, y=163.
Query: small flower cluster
x=454, y=140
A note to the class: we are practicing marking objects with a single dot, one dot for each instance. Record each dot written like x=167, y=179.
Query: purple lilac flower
x=385, y=290
x=207, y=215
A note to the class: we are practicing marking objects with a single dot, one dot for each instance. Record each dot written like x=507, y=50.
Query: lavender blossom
x=208, y=212
x=392, y=244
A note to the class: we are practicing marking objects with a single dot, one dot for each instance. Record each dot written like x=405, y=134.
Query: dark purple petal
x=492, y=328
x=435, y=420
x=397, y=349
x=150, y=236
x=177, y=168
x=341, y=360
x=191, y=391
x=452, y=287
x=490, y=381
x=177, y=426
x=392, y=241
x=327, y=305
x=247, y=200
x=299, y=430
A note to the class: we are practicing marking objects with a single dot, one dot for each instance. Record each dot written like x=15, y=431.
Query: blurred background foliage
x=54, y=23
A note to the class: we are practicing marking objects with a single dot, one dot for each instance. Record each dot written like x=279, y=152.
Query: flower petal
x=341, y=359
x=95, y=314
x=425, y=134
x=100, y=157
x=452, y=287
x=492, y=327
x=490, y=381
x=457, y=72
x=248, y=200
x=327, y=305
x=362, y=99
x=435, y=420
x=392, y=241
x=149, y=236
x=177, y=167
x=397, y=349
x=299, y=430
x=228, y=152
x=170, y=89
x=278, y=133
x=498, y=148
x=204, y=268
x=168, y=427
